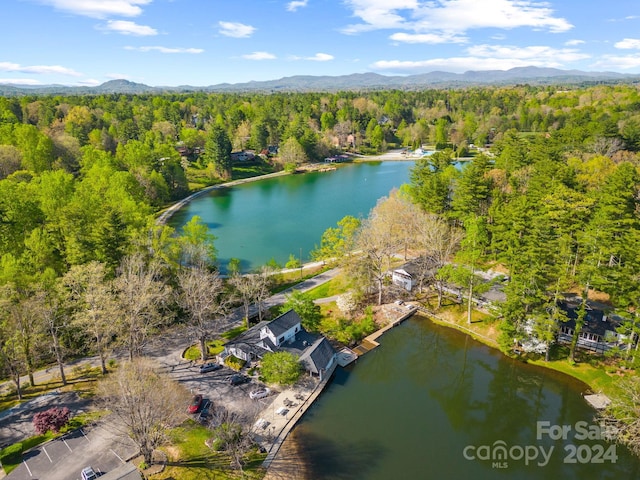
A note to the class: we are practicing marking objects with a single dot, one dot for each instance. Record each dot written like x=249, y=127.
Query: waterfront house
x=403, y=279
x=599, y=332
x=242, y=156
x=284, y=333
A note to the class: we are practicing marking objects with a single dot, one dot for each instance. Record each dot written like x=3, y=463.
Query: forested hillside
x=553, y=198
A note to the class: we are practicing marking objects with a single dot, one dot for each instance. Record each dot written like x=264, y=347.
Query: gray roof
x=284, y=322
x=124, y=472
x=250, y=336
x=595, y=320
x=318, y=356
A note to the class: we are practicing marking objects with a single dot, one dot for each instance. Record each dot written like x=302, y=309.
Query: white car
x=259, y=393
x=89, y=473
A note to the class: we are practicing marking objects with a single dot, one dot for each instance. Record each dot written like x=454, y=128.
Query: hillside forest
x=548, y=193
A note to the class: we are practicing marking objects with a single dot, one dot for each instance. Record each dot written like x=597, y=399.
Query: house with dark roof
x=284, y=333
x=599, y=331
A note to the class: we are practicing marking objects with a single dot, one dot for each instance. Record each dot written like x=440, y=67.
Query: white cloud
x=236, y=30
x=613, y=62
x=90, y=82
x=296, y=4
x=164, y=49
x=453, y=16
x=129, y=28
x=38, y=69
x=20, y=81
x=573, y=43
x=99, y=8
x=453, y=64
x=431, y=38
x=540, y=54
x=259, y=56
x=490, y=57
x=628, y=43
x=318, y=57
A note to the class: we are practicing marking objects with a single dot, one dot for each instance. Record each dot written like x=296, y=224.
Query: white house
x=284, y=333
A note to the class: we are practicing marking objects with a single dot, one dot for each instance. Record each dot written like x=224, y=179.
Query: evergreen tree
x=218, y=151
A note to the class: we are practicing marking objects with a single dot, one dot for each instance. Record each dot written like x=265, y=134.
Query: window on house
x=280, y=340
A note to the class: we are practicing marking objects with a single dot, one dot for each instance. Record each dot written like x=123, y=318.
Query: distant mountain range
x=356, y=81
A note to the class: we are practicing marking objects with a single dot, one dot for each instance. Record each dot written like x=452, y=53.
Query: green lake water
x=408, y=410
x=412, y=408
x=276, y=217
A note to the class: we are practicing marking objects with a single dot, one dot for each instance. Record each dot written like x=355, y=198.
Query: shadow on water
x=324, y=459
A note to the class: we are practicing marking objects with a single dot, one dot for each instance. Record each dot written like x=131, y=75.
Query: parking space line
x=85, y=435
x=117, y=456
x=47, y=454
x=28, y=469
x=65, y=442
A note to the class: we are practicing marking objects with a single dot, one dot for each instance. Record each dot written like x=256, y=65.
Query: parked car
x=210, y=367
x=238, y=379
x=204, y=412
x=88, y=473
x=259, y=393
x=196, y=403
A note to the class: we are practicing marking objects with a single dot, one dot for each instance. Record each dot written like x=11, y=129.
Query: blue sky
x=206, y=42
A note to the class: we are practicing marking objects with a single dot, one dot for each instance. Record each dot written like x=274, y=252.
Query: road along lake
x=432, y=403
x=277, y=217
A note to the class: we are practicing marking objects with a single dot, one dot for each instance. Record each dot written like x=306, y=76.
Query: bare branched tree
x=232, y=434
x=47, y=306
x=140, y=299
x=94, y=305
x=203, y=298
x=145, y=404
x=622, y=416
x=437, y=241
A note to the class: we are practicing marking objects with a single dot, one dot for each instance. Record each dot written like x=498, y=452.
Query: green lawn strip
x=80, y=378
x=189, y=458
x=215, y=346
x=595, y=376
x=250, y=171
x=336, y=286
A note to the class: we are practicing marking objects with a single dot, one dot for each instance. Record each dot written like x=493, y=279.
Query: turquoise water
x=276, y=217
x=409, y=408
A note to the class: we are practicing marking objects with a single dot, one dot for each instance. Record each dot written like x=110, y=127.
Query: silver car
x=88, y=473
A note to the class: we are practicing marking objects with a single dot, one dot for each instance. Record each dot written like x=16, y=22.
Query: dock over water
x=400, y=313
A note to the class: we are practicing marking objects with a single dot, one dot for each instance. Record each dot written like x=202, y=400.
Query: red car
x=196, y=403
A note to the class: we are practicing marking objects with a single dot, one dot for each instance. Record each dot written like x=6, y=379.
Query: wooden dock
x=369, y=343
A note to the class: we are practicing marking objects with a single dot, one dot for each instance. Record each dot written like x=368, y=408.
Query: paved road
x=169, y=346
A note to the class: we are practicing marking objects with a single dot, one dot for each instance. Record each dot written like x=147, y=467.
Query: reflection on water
x=276, y=217
x=409, y=408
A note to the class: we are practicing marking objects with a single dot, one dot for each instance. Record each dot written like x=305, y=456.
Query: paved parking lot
x=215, y=387
x=63, y=458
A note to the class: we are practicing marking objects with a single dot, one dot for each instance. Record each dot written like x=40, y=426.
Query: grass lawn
x=483, y=326
x=190, y=459
x=82, y=379
x=592, y=369
x=253, y=170
x=215, y=346
x=336, y=286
